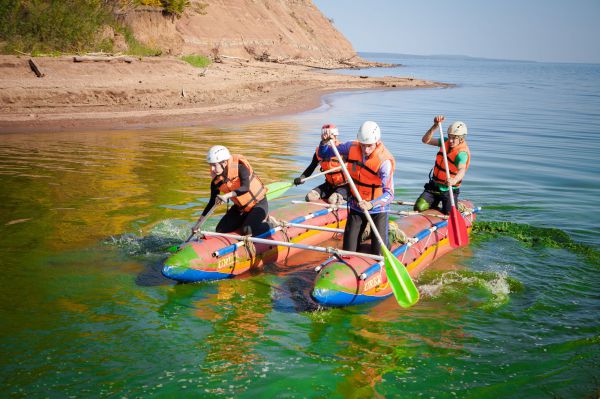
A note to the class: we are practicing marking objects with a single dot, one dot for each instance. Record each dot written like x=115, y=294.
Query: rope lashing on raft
x=250, y=247
x=284, y=231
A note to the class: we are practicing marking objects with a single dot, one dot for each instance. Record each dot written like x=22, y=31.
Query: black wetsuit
x=251, y=223
x=325, y=189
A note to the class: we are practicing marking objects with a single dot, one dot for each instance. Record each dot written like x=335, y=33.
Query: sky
x=535, y=30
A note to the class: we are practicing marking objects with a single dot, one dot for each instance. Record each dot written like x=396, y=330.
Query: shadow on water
x=293, y=293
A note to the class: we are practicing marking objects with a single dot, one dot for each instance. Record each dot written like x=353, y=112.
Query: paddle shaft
x=337, y=168
x=289, y=244
x=357, y=195
x=457, y=231
x=450, y=192
x=200, y=222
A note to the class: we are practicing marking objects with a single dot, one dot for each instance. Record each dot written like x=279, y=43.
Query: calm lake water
x=86, y=218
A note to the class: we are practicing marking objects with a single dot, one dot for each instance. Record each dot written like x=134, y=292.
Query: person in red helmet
x=335, y=188
x=437, y=190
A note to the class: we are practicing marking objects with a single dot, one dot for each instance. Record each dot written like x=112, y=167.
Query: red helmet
x=330, y=128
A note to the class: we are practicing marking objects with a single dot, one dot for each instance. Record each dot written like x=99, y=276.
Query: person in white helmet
x=335, y=188
x=233, y=178
x=371, y=167
x=437, y=190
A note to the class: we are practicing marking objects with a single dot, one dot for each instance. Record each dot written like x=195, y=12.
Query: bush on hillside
x=50, y=26
x=63, y=26
x=171, y=7
x=175, y=7
x=199, y=61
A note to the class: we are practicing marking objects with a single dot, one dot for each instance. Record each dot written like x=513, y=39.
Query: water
x=86, y=218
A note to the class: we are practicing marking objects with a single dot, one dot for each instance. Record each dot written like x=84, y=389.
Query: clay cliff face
x=277, y=29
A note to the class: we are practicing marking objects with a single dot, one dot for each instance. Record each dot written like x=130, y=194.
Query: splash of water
x=495, y=286
x=160, y=237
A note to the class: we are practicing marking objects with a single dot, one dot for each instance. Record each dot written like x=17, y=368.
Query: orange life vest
x=232, y=182
x=334, y=178
x=366, y=175
x=439, y=171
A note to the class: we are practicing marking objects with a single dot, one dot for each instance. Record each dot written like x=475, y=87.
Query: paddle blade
x=277, y=189
x=457, y=230
x=404, y=288
x=173, y=248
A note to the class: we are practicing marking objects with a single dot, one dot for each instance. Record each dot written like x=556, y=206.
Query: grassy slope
x=68, y=26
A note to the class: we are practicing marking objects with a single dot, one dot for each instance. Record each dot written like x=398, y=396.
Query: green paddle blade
x=277, y=189
x=405, y=291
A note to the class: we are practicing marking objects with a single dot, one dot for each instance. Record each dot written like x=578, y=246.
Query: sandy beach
x=163, y=91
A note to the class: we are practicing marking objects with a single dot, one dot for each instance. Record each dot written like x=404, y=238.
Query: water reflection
x=79, y=188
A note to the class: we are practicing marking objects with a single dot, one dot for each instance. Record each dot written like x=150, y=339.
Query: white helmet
x=458, y=128
x=331, y=129
x=369, y=133
x=217, y=154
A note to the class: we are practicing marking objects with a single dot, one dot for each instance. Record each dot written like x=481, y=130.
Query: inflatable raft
x=353, y=280
x=216, y=258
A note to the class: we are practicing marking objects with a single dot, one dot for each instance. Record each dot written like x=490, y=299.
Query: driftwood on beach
x=36, y=69
x=95, y=58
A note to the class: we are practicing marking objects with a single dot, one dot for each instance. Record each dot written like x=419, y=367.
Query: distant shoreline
x=164, y=92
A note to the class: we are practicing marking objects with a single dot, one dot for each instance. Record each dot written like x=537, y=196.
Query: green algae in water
x=536, y=237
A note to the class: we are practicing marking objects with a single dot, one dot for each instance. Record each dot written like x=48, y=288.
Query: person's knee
x=221, y=227
x=247, y=230
x=336, y=198
x=421, y=205
x=312, y=196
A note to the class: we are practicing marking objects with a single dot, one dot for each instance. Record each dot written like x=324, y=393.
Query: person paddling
x=234, y=178
x=436, y=190
x=335, y=188
x=371, y=167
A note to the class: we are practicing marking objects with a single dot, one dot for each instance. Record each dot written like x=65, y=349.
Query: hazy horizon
x=536, y=30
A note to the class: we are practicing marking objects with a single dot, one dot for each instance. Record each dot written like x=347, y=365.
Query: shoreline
x=165, y=92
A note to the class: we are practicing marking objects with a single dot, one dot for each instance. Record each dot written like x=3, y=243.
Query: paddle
x=277, y=189
x=457, y=230
x=404, y=288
